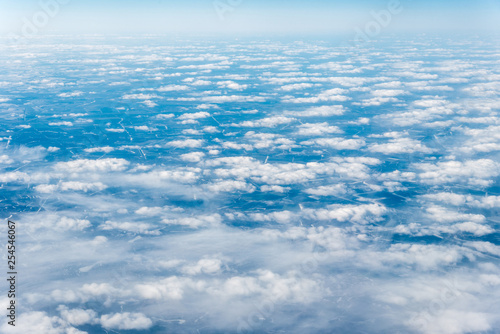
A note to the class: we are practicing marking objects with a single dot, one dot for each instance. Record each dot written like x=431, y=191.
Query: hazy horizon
x=230, y=17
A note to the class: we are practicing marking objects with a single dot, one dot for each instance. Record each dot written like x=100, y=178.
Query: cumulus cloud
x=230, y=186
x=485, y=202
x=193, y=156
x=197, y=115
x=231, y=85
x=331, y=190
x=482, y=140
x=232, y=98
x=70, y=186
x=298, y=86
x=337, y=143
x=126, y=321
x=474, y=172
x=4, y=159
x=186, y=143
x=196, y=221
x=330, y=95
x=64, y=123
x=77, y=317
x=317, y=129
x=134, y=227
x=143, y=128
x=354, y=213
x=322, y=111
x=206, y=266
x=58, y=223
x=140, y=96
x=71, y=94
x=104, y=149
x=40, y=322
x=172, y=88
x=400, y=145
x=269, y=122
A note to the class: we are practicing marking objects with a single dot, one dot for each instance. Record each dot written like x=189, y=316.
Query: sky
x=245, y=16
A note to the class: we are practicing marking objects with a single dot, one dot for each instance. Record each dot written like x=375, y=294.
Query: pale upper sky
x=244, y=16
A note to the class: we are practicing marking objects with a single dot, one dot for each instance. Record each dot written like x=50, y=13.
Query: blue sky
x=249, y=16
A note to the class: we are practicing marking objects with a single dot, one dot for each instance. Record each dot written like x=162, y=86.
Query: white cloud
x=150, y=211
x=337, y=143
x=39, y=322
x=191, y=132
x=210, y=129
x=197, y=115
x=299, y=86
x=4, y=159
x=482, y=140
x=443, y=215
x=388, y=92
x=14, y=176
x=70, y=185
x=104, y=149
x=484, y=89
x=269, y=122
x=126, y=321
x=364, y=213
x=278, y=189
x=230, y=186
x=323, y=111
x=172, y=88
x=135, y=227
x=377, y=101
x=77, y=317
x=196, y=221
x=485, y=202
x=193, y=156
x=186, y=143
x=59, y=223
x=456, y=322
x=201, y=83
x=361, y=121
x=116, y=130
x=317, y=129
x=231, y=85
x=485, y=247
x=467, y=227
x=140, y=96
x=64, y=123
x=331, y=190
x=72, y=94
x=86, y=165
x=400, y=145
x=232, y=98
x=144, y=128
x=236, y=146
x=164, y=116
x=158, y=178
x=329, y=95
x=474, y=172
x=205, y=266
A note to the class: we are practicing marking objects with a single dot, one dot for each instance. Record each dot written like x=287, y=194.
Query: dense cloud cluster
x=253, y=186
